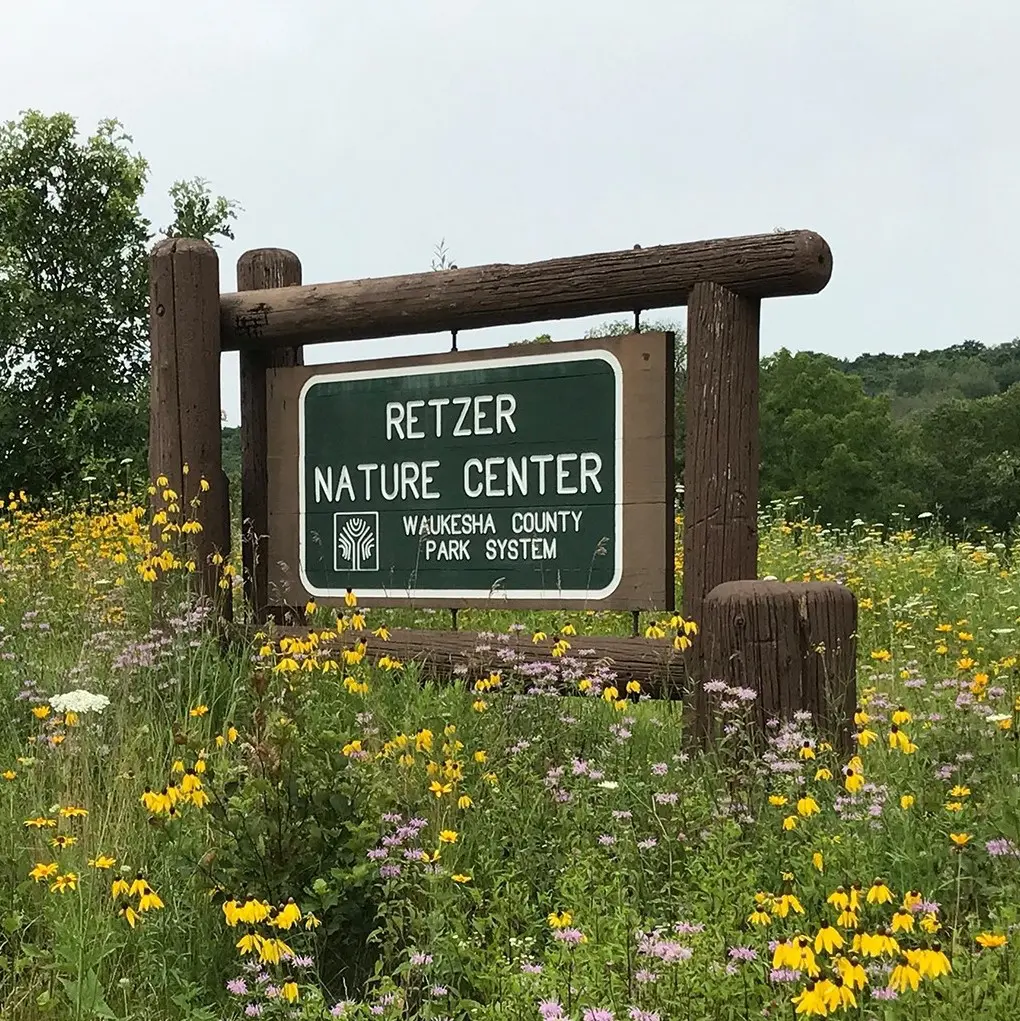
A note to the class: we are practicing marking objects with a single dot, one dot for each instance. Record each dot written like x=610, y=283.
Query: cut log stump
x=794, y=644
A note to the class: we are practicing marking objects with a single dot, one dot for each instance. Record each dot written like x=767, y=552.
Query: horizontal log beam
x=759, y=266
x=655, y=663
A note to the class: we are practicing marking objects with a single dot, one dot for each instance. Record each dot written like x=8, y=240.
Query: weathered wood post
x=184, y=423
x=720, y=537
x=257, y=270
x=794, y=644
x=721, y=461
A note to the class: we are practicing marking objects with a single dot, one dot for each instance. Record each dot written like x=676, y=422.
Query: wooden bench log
x=794, y=644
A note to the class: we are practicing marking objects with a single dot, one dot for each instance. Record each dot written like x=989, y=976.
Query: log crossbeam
x=756, y=266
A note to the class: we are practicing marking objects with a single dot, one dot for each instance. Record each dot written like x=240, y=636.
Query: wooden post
x=184, y=419
x=793, y=644
x=256, y=270
x=721, y=454
x=721, y=451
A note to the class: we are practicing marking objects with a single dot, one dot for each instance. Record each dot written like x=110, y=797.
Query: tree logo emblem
x=356, y=541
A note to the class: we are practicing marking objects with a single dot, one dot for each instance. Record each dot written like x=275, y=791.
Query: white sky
x=358, y=134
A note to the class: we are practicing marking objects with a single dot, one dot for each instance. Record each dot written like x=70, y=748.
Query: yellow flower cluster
x=831, y=958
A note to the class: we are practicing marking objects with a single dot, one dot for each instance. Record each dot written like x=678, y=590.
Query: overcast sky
x=360, y=134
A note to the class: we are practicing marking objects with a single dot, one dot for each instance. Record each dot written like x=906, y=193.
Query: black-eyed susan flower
x=44, y=871
x=901, y=716
x=879, y=893
x=288, y=916
x=960, y=840
x=40, y=822
x=560, y=919
x=929, y=962
x=459, y=877
x=990, y=940
x=904, y=976
x=906, y=801
x=811, y=1001
x=807, y=806
x=787, y=902
x=839, y=899
x=902, y=921
x=128, y=913
x=62, y=883
x=827, y=939
x=149, y=900
x=852, y=972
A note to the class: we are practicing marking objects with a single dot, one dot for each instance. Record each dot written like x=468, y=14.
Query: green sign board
x=476, y=480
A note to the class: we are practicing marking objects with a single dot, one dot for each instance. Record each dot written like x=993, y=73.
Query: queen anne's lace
x=79, y=701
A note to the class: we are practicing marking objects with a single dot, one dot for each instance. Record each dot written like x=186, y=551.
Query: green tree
x=73, y=299
x=823, y=438
x=200, y=214
x=968, y=465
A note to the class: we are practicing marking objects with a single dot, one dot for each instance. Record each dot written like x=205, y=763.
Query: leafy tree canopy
x=73, y=298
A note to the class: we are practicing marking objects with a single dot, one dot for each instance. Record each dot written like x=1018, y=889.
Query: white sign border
x=489, y=595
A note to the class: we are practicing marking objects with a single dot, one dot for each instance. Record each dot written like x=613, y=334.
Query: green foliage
x=73, y=294
x=655, y=846
x=824, y=439
x=918, y=382
x=73, y=300
x=200, y=214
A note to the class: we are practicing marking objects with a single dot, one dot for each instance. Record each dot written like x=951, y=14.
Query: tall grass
x=485, y=848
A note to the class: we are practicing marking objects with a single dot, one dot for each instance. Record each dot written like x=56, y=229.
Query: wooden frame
x=722, y=281
x=645, y=494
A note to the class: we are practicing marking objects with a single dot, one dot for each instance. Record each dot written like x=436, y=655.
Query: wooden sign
x=535, y=476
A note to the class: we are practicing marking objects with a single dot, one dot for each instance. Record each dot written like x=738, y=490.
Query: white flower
x=609, y=785
x=79, y=701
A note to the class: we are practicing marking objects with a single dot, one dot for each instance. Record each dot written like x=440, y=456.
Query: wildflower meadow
x=196, y=826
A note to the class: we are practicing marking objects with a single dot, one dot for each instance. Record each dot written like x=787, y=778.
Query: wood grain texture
x=184, y=424
x=721, y=460
x=794, y=644
x=256, y=270
x=756, y=266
